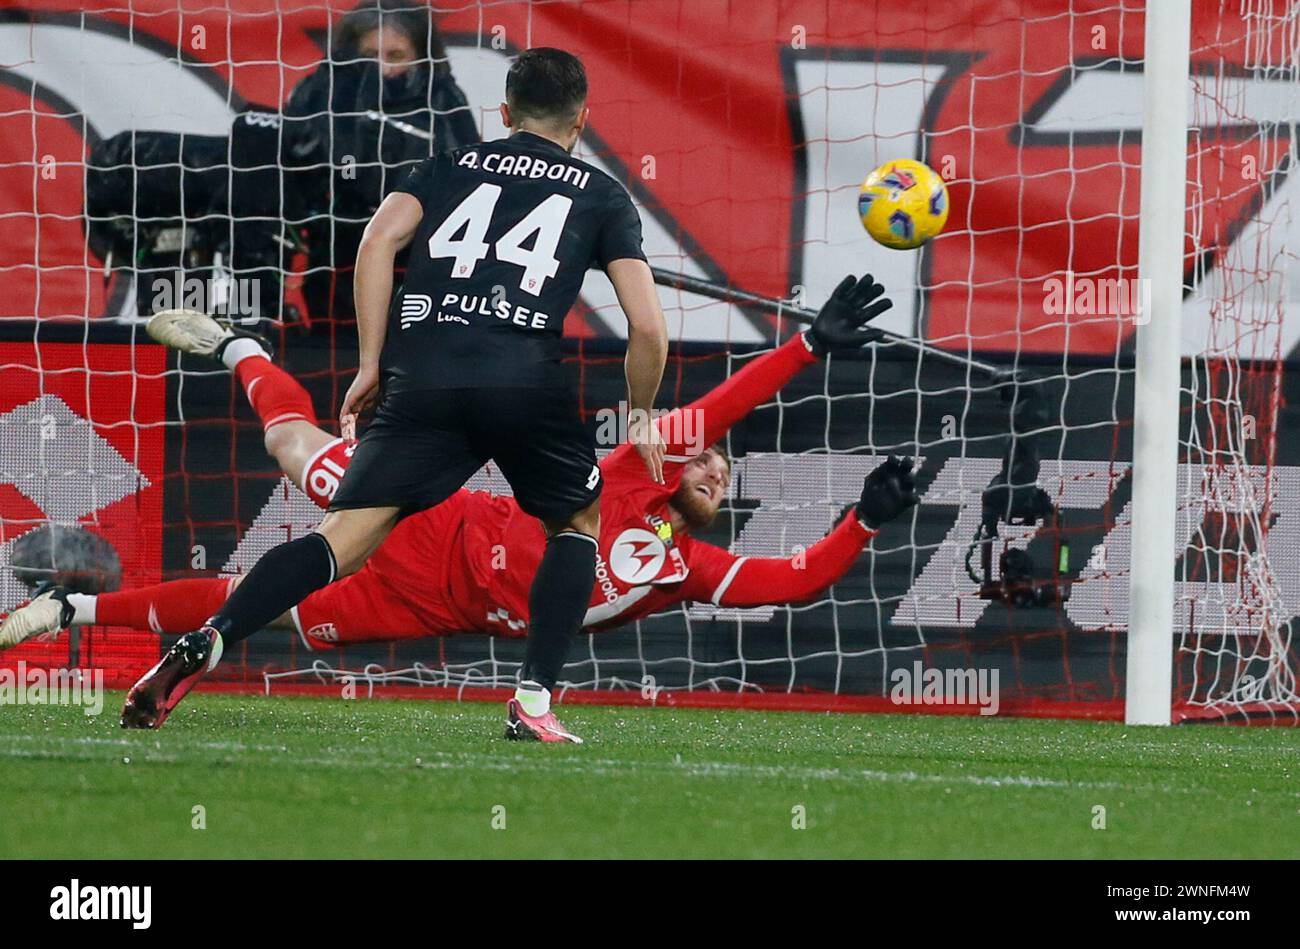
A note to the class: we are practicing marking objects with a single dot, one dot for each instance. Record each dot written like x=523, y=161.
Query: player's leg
x=557, y=602
x=551, y=465
x=176, y=606
x=392, y=598
x=560, y=594
x=413, y=455
x=283, y=577
x=291, y=434
x=294, y=445
x=286, y=574
x=387, y=600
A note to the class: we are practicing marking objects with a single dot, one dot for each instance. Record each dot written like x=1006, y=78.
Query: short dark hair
x=546, y=84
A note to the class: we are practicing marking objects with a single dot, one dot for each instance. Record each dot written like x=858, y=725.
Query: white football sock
x=218, y=647
x=83, y=606
x=535, y=700
x=237, y=350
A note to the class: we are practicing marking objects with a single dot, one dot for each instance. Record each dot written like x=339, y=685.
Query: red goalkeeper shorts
x=403, y=591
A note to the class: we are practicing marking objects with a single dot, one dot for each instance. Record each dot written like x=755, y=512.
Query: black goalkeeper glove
x=887, y=492
x=841, y=324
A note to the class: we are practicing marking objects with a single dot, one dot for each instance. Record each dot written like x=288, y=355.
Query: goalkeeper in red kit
x=466, y=564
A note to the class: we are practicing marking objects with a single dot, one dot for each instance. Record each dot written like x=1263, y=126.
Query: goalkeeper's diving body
x=464, y=566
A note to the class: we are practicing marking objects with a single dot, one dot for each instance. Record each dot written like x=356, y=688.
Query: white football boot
x=189, y=331
x=47, y=613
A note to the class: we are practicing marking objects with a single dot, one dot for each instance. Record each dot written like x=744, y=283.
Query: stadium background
x=757, y=124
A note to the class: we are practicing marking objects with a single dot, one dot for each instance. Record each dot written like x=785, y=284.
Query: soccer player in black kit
x=464, y=364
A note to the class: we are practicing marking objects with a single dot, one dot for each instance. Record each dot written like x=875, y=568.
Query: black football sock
x=283, y=578
x=557, y=604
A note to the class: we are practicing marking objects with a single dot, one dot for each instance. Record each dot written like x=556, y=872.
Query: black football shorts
x=423, y=445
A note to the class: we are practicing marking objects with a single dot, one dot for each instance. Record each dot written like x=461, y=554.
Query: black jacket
x=350, y=136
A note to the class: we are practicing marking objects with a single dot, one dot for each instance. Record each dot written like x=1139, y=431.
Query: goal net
x=136, y=176
x=1237, y=587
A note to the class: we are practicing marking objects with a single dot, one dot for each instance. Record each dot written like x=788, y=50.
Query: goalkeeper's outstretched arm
x=888, y=492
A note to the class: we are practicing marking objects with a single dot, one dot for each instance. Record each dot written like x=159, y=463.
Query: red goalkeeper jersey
x=643, y=566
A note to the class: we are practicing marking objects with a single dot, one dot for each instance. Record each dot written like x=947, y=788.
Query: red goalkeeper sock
x=275, y=395
x=180, y=606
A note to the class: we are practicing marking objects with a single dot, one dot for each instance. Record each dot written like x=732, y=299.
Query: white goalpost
x=1157, y=384
x=1210, y=629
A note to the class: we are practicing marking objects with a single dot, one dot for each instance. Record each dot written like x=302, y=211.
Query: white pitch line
x=600, y=767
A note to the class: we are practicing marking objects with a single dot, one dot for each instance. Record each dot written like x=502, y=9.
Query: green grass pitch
x=304, y=777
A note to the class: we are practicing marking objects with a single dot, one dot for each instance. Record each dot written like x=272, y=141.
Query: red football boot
x=160, y=689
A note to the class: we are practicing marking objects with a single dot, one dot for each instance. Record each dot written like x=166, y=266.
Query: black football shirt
x=510, y=229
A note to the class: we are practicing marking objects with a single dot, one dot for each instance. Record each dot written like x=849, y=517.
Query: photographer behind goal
x=302, y=179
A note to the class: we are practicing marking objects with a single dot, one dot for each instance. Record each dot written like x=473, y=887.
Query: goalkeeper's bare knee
x=292, y=444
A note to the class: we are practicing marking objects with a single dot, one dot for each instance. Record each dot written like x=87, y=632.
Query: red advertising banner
x=743, y=132
x=82, y=428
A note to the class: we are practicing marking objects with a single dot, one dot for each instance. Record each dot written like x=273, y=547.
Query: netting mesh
x=1232, y=604
x=743, y=140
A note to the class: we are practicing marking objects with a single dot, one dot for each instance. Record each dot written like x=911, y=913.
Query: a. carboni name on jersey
x=455, y=307
x=526, y=166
